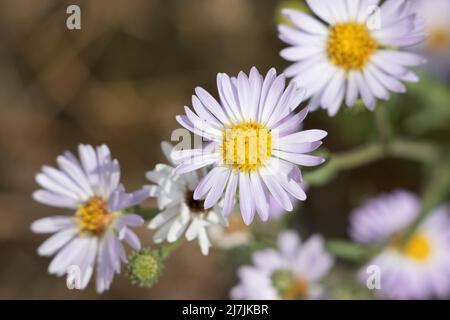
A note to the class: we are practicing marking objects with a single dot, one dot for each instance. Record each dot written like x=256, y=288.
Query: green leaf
x=145, y=213
x=350, y=251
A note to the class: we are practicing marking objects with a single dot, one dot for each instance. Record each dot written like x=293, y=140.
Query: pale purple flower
x=92, y=236
x=346, y=51
x=254, y=143
x=418, y=269
x=180, y=213
x=436, y=48
x=292, y=271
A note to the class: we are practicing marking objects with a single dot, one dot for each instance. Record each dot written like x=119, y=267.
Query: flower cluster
x=249, y=163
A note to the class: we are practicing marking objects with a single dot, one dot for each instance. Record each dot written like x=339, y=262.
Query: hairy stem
x=421, y=151
x=166, y=251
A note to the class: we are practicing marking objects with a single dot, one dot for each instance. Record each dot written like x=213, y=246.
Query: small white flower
x=292, y=271
x=181, y=213
x=342, y=54
x=90, y=187
x=418, y=269
x=255, y=143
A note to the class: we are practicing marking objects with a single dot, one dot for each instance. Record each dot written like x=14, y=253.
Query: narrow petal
x=246, y=198
x=51, y=224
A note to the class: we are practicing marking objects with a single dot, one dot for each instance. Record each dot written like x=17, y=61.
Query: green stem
x=166, y=251
x=421, y=151
x=351, y=251
x=382, y=123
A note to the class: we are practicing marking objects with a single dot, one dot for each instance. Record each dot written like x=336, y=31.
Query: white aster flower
x=181, y=213
x=255, y=143
x=417, y=269
x=89, y=186
x=437, y=25
x=292, y=271
x=346, y=52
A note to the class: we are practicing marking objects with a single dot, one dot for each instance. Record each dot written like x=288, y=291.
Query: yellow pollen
x=297, y=290
x=93, y=217
x=350, y=45
x=417, y=248
x=289, y=285
x=246, y=146
x=438, y=39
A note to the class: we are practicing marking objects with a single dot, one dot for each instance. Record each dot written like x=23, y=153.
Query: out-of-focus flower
x=290, y=272
x=417, y=269
x=234, y=234
x=90, y=186
x=181, y=213
x=255, y=143
x=349, y=53
x=437, y=25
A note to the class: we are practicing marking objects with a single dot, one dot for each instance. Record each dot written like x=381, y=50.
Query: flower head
x=145, y=267
x=416, y=269
x=90, y=187
x=180, y=212
x=291, y=271
x=347, y=51
x=254, y=143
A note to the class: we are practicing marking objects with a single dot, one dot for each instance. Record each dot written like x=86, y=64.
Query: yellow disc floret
x=290, y=286
x=246, y=146
x=350, y=45
x=417, y=248
x=438, y=40
x=93, y=216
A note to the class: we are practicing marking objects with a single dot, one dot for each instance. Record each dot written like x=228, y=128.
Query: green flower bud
x=145, y=267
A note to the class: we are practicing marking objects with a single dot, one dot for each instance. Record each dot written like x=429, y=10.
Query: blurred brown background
x=121, y=80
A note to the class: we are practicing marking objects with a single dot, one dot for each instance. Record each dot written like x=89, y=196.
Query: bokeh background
x=121, y=80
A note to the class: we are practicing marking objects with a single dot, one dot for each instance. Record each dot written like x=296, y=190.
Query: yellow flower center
x=350, y=45
x=417, y=248
x=297, y=290
x=93, y=217
x=290, y=286
x=438, y=39
x=246, y=146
